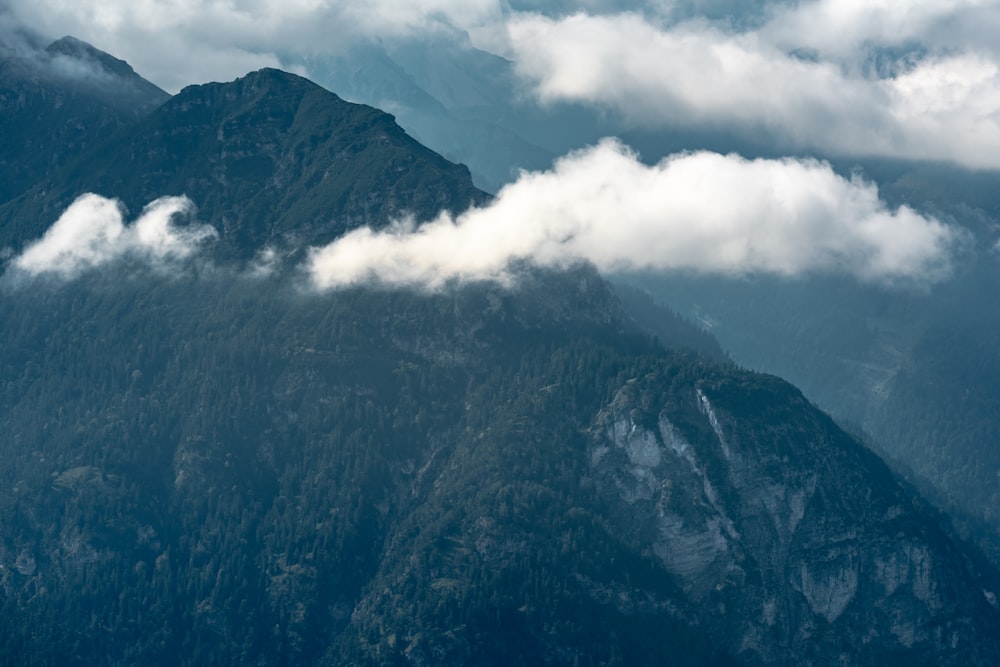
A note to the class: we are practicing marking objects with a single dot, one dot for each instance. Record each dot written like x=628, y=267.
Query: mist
x=697, y=212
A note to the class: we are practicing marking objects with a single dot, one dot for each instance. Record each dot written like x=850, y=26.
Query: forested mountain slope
x=201, y=471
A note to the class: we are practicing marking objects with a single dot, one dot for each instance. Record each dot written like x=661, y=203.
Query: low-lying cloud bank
x=701, y=212
x=698, y=212
x=181, y=42
x=92, y=232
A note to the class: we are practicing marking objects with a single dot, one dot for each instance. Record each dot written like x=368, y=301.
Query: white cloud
x=948, y=108
x=701, y=212
x=696, y=75
x=690, y=74
x=92, y=232
x=264, y=264
x=845, y=29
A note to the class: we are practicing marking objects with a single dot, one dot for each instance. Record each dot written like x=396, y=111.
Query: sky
x=906, y=79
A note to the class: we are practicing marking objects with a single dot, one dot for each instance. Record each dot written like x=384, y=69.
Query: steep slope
x=914, y=369
x=270, y=158
x=59, y=101
x=450, y=112
x=216, y=471
x=707, y=503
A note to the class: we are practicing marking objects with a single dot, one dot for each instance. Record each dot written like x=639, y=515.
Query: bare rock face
x=789, y=540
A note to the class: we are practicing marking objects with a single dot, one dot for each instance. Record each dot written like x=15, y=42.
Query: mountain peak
x=100, y=74
x=55, y=100
x=271, y=158
x=81, y=51
x=260, y=81
x=275, y=74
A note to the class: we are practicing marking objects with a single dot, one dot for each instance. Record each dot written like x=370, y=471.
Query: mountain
x=910, y=367
x=210, y=471
x=473, y=107
x=269, y=159
x=58, y=101
x=435, y=94
x=217, y=467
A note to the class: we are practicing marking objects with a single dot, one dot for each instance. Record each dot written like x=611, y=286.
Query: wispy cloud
x=181, y=42
x=702, y=212
x=92, y=232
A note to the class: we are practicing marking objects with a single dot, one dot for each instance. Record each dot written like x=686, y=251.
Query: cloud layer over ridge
x=701, y=212
x=696, y=212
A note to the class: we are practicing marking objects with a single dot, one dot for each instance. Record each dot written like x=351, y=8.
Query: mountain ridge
x=268, y=159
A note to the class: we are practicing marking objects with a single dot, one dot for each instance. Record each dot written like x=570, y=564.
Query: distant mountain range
x=215, y=467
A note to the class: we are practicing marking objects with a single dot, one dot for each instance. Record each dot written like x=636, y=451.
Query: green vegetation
x=224, y=471
x=212, y=473
x=270, y=159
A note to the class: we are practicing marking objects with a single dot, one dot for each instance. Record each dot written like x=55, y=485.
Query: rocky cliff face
x=792, y=541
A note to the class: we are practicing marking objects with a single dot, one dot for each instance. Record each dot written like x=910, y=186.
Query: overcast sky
x=914, y=79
